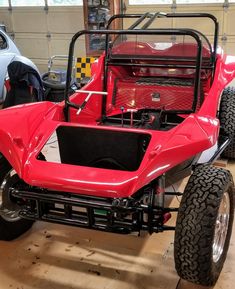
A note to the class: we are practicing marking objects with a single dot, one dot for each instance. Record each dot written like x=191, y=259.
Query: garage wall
x=42, y=33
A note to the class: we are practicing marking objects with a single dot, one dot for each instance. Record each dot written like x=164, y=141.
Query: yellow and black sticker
x=83, y=67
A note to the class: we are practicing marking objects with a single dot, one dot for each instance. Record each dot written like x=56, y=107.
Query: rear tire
x=204, y=225
x=11, y=225
x=227, y=120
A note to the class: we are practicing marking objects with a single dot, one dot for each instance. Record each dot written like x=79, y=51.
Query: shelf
x=97, y=7
x=97, y=22
x=96, y=17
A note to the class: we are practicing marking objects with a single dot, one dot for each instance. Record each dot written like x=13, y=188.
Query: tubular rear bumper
x=120, y=215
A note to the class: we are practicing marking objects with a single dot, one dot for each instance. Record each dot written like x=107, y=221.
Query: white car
x=8, y=53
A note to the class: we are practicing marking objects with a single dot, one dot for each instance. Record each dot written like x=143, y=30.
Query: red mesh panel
x=172, y=95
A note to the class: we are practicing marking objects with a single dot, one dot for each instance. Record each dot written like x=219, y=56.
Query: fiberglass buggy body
x=141, y=124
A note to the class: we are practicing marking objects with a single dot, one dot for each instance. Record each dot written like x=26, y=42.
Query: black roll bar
x=150, y=21
x=141, y=19
x=122, y=16
x=153, y=16
x=188, y=32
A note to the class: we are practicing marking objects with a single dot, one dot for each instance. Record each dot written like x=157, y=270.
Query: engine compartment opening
x=101, y=148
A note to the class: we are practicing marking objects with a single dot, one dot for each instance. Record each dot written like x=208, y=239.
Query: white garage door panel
x=147, y=8
x=205, y=26
x=29, y=20
x=33, y=46
x=230, y=45
x=59, y=45
x=5, y=18
x=65, y=21
x=229, y=21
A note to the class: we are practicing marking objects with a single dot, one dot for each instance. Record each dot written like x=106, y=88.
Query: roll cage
x=142, y=27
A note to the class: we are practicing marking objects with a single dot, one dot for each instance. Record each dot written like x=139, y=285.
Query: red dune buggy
x=157, y=101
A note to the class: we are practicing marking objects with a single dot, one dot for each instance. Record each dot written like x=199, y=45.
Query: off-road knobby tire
x=227, y=120
x=195, y=226
x=11, y=230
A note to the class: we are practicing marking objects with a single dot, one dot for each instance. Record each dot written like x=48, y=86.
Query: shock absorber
x=160, y=192
x=156, y=214
x=160, y=199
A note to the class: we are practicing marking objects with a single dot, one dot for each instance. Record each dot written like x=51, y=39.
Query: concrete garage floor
x=53, y=256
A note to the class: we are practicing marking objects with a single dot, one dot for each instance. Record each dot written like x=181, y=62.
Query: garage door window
x=143, y=2
x=64, y=2
x=153, y=2
x=27, y=2
x=198, y=1
x=4, y=3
